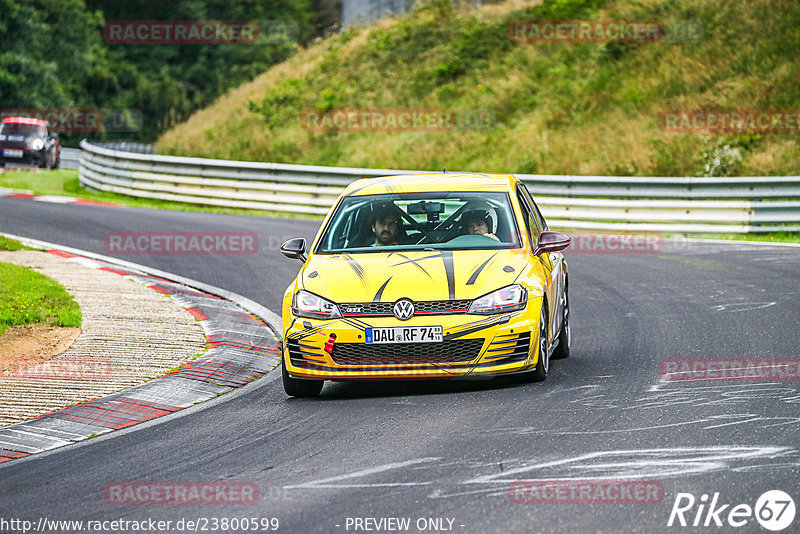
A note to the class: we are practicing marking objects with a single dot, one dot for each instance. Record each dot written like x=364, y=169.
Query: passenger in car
x=478, y=222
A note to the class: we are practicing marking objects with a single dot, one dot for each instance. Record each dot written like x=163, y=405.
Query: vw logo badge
x=404, y=309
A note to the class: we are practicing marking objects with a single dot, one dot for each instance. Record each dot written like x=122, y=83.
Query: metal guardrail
x=676, y=205
x=70, y=158
x=128, y=146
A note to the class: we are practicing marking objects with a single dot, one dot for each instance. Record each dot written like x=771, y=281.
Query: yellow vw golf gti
x=426, y=277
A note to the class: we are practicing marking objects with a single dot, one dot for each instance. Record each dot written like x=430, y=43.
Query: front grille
x=385, y=309
x=454, y=351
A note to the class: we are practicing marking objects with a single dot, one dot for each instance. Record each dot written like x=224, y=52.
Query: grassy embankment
x=558, y=108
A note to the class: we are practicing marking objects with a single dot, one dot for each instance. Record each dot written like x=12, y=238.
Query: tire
x=57, y=163
x=565, y=336
x=542, y=366
x=300, y=388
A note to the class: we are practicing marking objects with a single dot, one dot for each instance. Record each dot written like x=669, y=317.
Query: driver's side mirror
x=54, y=136
x=551, y=242
x=295, y=249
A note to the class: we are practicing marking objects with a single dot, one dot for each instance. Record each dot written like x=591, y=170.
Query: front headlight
x=307, y=304
x=503, y=300
x=36, y=143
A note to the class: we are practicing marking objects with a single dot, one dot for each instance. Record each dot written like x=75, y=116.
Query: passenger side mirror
x=551, y=242
x=295, y=249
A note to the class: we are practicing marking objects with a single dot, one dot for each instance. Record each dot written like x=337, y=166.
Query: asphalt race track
x=448, y=451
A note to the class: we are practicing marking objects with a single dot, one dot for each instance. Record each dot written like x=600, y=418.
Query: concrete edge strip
x=54, y=199
x=242, y=348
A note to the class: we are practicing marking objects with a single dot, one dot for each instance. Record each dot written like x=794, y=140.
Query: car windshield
x=421, y=221
x=16, y=128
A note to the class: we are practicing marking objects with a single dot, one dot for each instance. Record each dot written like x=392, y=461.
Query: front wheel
x=540, y=372
x=300, y=388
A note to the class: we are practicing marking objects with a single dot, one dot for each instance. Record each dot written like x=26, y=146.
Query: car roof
x=24, y=120
x=438, y=182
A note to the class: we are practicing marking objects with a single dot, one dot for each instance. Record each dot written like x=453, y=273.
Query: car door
x=534, y=228
x=559, y=268
x=555, y=266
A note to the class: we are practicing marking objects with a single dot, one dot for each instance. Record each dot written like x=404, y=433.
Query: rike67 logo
x=774, y=510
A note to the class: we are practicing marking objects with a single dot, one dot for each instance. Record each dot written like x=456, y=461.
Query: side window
x=530, y=221
x=539, y=219
x=540, y=222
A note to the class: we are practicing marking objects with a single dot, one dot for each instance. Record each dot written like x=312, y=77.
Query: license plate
x=11, y=153
x=404, y=334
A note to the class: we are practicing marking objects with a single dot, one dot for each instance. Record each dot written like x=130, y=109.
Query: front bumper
x=473, y=346
x=29, y=157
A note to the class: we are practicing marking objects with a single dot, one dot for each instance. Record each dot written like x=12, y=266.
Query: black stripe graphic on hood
x=379, y=294
x=476, y=272
x=384, y=182
x=358, y=269
x=414, y=262
x=447, y=258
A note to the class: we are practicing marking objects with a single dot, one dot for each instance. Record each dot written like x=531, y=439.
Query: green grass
x=39, y=182
x=28, y=297
x=65, y=183
x=10, y=244
x=774, y=237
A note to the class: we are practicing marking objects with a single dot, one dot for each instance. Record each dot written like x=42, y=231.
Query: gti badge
x=404, y=309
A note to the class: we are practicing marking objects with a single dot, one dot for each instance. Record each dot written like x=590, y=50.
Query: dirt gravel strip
x=142, y=341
